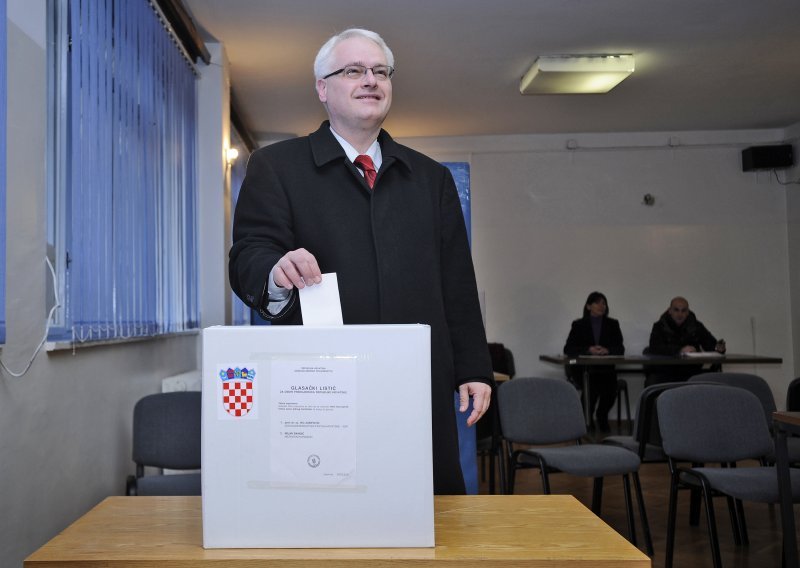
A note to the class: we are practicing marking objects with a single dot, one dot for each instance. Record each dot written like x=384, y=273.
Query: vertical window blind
x=3, y=84
x=131, y=265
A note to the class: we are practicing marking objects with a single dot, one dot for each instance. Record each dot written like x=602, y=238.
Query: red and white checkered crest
x=237, y=391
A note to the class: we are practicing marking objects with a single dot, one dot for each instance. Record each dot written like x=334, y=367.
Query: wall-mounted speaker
x=767, y=157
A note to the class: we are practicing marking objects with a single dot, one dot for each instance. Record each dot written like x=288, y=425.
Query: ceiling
x=700, y=65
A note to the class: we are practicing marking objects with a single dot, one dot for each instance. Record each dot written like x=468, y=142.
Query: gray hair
x=322, y=61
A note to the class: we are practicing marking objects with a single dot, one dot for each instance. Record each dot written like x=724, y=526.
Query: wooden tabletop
x=473, y=531
x=784, y=417
x=500, y=377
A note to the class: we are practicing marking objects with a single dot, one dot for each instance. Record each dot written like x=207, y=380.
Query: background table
x=642, y=362
x=472, y=531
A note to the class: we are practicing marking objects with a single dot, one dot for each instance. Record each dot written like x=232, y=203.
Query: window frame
x=163, y=285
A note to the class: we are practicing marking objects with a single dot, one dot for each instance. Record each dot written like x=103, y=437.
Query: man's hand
x=297, y=269
x=481, y=398
x=688, y=349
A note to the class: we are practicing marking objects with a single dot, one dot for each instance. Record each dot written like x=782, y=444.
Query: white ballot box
x=317, y=437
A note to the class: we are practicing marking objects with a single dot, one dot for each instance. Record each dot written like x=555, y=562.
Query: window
x=122, y=197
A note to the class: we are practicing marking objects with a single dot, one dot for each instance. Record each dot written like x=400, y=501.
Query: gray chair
x=646, y=441
x=759, y=387
x=542, y=412
x=166, y=434
x=646, y=438
x=715, y=423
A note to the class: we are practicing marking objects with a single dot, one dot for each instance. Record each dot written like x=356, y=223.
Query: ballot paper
x=320, y=304
x=313, y=422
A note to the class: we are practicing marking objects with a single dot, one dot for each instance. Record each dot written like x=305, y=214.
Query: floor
x=691, y=543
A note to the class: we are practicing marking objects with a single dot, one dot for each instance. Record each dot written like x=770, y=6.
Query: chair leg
x=512, y=470
x=738, y=523
x=545, y=477
x=712, y=527
x=733, y=512
x=597, y=496
x=648, y=539
x=491, y=471
x=626, y=487
x=742, y=522
x=501, y=463
x=694, y=503
x=673, y=508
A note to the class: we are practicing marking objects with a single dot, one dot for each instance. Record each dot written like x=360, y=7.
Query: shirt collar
x=374, y=150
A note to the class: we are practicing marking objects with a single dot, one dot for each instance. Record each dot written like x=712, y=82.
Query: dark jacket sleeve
x=704, y=338
x=660, y=343
x=460, y=292
x=611, y=337
x=577, y=342
x=262, y=234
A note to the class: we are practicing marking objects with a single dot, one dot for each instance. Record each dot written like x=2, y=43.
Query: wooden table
x=472, y=531
x=786, y=423
x=642, y=362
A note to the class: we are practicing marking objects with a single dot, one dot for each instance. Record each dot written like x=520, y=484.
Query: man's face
x=356, y=104
x=679, y=311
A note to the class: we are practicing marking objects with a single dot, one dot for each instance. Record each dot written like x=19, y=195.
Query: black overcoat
x=400, y=253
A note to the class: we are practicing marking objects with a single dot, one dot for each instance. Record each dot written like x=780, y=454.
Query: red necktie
x=365, y=163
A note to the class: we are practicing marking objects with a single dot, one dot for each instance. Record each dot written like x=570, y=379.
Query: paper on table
x=320, y=304
x=701, y=354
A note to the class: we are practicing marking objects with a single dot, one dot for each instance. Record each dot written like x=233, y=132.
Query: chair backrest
x=710, y=423
x=793, y=396
x=540, y=411
x=166, y=430
x=753, y=383
x=502, y=359
x=645, y=422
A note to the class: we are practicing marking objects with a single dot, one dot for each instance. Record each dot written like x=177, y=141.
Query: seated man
x=677, y=331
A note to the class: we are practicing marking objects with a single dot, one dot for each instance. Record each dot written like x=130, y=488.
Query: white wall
x=550, y=225
x=213, y=136
x=792, y=136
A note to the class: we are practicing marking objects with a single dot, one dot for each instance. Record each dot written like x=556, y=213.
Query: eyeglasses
x=355, y=72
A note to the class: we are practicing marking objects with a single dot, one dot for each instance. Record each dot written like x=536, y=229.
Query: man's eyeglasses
x=380, y=72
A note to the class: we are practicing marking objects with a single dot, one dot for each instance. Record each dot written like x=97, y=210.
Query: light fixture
x=575, y=74
x=231, y=154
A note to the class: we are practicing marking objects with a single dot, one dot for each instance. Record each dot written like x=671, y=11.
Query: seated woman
x=596, y=334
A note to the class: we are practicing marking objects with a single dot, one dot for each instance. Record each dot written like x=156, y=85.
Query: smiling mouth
x=369, y=97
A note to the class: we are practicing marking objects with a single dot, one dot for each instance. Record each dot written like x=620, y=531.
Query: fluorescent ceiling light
x=568, y=74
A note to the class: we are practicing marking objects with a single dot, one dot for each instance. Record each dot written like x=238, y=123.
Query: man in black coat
x=678, y=331
x=386, y=219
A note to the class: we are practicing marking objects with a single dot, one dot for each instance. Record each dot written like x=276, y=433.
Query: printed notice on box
x=313, y=422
